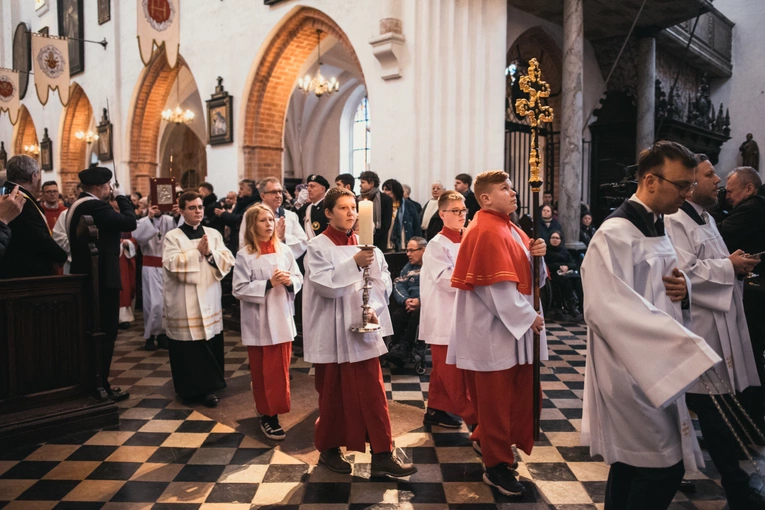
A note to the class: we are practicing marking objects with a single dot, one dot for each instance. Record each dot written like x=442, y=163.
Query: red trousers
x=448, y=387
x=353, y=408
x=270, y=372
x=505, y=408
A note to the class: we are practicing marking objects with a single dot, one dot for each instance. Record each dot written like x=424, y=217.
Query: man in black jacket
x=11, y=206
x=316, y=221
x=93, y=201
x=744, y=229
x=209, y=201
x=32, y=250
x=248, y=195
x=369, y=184
x=462, y=184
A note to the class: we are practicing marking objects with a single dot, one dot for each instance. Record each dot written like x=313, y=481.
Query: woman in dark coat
x=564, y=273
x=406, y=221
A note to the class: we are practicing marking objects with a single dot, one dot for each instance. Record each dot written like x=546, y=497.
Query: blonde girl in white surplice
x=266, y=279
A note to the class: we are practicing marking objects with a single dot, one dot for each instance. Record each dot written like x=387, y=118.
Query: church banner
x=159, y=24
x=50, y=61
x=9, y=93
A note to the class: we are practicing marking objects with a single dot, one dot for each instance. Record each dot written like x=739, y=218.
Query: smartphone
x=7, y=188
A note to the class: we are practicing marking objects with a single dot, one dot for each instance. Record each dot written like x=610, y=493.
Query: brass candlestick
x=366, y=310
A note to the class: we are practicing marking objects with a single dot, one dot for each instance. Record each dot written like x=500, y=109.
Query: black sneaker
x=501, y=477
x=335, y=461
x=479, y=451
x=440, y=418
x=271, y=428
x=387, y=464
x=149, y=345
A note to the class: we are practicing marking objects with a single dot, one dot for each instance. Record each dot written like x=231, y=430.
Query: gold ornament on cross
x=537, y=113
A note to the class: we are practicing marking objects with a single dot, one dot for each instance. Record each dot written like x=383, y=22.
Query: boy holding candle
x=352, y=404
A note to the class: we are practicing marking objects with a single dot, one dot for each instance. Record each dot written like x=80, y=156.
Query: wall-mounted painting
x=72, y=24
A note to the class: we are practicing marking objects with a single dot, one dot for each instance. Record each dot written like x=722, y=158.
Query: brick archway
x=25, y=132
x=152, y=91
x=78, y=116
x=273, y=83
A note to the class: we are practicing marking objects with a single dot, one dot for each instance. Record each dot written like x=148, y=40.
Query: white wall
x=744, y=92
x=444, y=116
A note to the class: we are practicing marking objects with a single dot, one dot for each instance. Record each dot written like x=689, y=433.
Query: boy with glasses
x=448, y=386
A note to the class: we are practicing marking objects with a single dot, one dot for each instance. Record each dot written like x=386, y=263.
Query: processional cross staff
x=538, y=114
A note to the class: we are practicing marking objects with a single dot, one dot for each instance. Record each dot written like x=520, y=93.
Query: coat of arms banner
x=9, y=93
x=50, y=61
x=159, y=24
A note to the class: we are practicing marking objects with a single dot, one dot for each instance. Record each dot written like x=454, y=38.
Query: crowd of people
x=673, y=307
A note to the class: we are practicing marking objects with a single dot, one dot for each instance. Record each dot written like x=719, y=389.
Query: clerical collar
x=340, y=237
x=196, y=232
x=46, y=206
x=696, y=206
x=634, y=198
x=454, y=236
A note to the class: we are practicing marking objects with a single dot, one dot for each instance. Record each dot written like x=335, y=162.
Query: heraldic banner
x=50, y=60
x=9, y=93
x=159, y=23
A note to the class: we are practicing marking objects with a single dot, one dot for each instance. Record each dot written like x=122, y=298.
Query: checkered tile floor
x=164, y=454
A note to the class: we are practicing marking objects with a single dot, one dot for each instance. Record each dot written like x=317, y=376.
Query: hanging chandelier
x=33, y=149
x=89, y=137
x=318, y=84
x=177, y=115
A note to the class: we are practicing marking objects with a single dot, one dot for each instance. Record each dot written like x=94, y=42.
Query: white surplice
x=294, y=236
x=717, y=311
x=332, y=304
x=640, y=357
x=436, y=292
x=267, y=316
x=150, y=235
x=490, y=326
x=62, y=239
x=192, y=288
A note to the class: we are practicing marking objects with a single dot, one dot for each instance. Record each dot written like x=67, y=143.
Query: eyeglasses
x=272, y=192
x=681, y=186
x=457, y=212
x=408, y=250
x=195, y=208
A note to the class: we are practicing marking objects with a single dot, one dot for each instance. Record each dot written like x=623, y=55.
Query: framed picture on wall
x=22, y=56
x=104, y=143
x=104, y=11
x=46, y=152
x=72, y=24
x=220, y=124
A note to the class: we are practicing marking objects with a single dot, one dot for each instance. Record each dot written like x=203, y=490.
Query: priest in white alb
x=717, y=312
x=195, y=260
x=641, y=358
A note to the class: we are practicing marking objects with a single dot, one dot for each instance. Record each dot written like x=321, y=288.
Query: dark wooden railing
x=49, y=355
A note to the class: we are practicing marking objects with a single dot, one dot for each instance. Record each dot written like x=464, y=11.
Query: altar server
x=150, y=235
x=492, y=336
x=266, y=278
x=448, y=384
x=195, y=260
x=640, y=356
x=353, y=408
x=717, y=313
x=127, y=276
x=288, y=228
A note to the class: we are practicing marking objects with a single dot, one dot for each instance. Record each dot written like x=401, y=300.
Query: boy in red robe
x=492, y=338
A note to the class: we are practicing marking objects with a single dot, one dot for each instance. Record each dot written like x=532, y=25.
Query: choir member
x=195, y=260
x=640, y=356
x=717, y=313
x=448, y=385
x=353, y=407
x=266, y=279
x=492, y=336
x=150, y=235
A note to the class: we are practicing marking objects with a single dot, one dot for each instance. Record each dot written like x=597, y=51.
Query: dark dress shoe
x=687, y=486
x=211, y=400
x=162, y=341
x=124, y=325
x=150, y=345
x=117, y=395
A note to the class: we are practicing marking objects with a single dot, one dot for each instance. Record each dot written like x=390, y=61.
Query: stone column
x=571, y=123
x=646, y=93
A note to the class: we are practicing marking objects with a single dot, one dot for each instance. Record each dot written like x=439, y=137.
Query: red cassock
x=127, y=275
x=448, y=389
x=270, y=372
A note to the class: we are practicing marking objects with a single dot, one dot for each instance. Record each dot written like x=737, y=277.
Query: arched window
x=360, y=139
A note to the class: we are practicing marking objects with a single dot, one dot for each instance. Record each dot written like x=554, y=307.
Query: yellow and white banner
x=50, y=61
x=9, y=93
x=159, y=23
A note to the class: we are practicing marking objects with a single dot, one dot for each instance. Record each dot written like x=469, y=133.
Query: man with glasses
x=641, y=356
x=406, y=318
x=287, y=226
x=50, y=203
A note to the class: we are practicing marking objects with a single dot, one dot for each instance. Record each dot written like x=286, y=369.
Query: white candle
x=366, y=223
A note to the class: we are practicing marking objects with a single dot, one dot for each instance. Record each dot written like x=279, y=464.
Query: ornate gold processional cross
x=538, y=114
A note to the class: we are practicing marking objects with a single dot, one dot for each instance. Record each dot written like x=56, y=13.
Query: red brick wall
x=26, y=134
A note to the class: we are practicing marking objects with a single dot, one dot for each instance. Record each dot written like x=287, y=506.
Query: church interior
x=195, y=96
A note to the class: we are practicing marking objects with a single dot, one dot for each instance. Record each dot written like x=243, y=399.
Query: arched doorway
x=288, y=54
x=533, y=43
x=155, y=91
x=25, y=134
x=78, y=116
